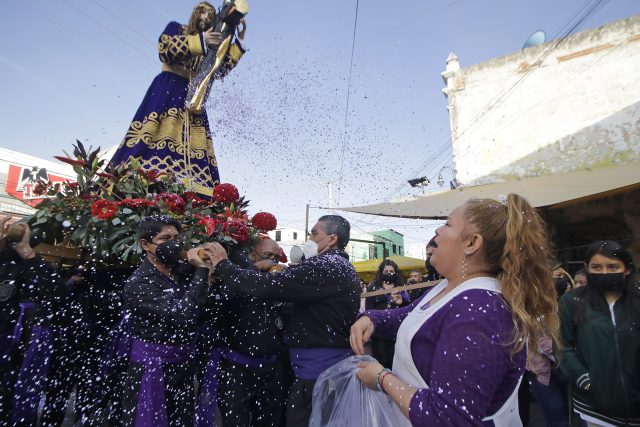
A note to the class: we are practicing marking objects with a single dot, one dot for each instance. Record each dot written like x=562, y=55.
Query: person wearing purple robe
x=324, y=292
x=461, y=349
x=164, y=137
x=162, y=299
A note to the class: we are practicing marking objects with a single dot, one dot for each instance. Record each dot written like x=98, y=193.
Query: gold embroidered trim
x=195, y=47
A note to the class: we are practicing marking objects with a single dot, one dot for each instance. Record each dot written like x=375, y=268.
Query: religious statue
x=170, y=131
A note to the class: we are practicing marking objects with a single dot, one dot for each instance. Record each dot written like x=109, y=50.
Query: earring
x=464, y=264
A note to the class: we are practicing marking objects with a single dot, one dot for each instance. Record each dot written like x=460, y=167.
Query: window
x=400, y=250
x=394, y=248
x=386, y=253
x=373, y=252
x=278, y=235
x=295, y=236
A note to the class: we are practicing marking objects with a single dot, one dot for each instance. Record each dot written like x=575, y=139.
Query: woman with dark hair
x=600, y=329
x=388, y=276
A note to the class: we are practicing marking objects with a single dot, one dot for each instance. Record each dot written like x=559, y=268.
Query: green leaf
x=79, y=234
x=116, y=221
x=59, y=217
x=127, y=211
x=41, y=220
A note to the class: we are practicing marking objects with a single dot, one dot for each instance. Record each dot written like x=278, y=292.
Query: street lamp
x=453, y=183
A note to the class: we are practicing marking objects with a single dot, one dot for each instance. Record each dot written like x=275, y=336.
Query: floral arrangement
x=101, y=211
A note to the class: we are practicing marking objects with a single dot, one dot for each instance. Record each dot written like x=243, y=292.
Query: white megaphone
x=295, y=255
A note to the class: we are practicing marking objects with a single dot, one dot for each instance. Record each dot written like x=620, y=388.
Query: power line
x=130, y=27
x=122, y=39
x=584, y=13
x=82, y=41
x=505, y=125
x=346, y=110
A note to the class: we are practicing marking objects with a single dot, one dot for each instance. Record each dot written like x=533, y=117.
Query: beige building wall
x=579, y=108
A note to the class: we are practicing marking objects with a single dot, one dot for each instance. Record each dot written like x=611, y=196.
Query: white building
x=19, y=173
x=287, y=238
x=556, y=123
x=547, y=109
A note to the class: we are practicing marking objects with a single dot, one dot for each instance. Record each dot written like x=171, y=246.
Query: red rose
x=174, y=203
x=104, y=209
x=236, y=229
x=210, y=224
x=264, y=221
x=225, y=193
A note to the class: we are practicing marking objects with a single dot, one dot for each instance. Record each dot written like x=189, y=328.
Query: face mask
x=561, y=285
x=310, y=248
x=389, y=277
x=611, y=282
x=168, y=253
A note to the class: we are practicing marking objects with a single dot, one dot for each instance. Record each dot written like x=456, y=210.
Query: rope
x=186, y=145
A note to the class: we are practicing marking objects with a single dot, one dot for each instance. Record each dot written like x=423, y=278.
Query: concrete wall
x=580, y=108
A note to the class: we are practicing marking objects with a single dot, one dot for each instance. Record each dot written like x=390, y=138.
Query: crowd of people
x=204, y=337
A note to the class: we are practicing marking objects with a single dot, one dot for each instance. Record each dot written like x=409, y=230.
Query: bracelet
x=382, y=381
x=385, y=371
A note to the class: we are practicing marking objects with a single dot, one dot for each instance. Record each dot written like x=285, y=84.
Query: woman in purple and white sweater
x=460, y=350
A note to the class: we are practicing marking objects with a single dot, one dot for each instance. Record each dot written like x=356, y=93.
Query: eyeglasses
x=272, y=257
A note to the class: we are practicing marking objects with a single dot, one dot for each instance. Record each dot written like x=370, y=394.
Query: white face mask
x=310, y=248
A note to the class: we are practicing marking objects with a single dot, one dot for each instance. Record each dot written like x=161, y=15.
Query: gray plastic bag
x=340, y=399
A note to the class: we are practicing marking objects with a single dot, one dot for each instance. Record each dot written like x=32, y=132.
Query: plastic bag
x=340, y=399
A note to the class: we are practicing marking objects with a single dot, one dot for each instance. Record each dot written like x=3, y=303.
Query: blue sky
x=78, y=69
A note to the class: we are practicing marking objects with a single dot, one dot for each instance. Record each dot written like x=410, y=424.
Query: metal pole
x=306, y=224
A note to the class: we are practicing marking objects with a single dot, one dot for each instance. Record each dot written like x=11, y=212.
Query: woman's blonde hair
x=517, y=250
x=192, y=26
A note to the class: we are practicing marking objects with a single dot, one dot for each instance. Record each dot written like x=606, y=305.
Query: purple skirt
x=165, y=138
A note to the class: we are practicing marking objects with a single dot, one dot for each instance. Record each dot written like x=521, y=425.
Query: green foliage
x=100, y=212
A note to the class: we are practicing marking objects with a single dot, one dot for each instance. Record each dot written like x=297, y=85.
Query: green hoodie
x=604, y=355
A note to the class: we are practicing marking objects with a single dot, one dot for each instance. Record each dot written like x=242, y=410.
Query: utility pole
x=306, y=224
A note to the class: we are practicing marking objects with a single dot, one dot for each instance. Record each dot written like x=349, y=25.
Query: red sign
x=22, y=180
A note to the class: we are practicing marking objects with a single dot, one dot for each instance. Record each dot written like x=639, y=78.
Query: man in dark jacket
x=325, y=293
x=162, y=298
x=251, y=384
x=21, y=274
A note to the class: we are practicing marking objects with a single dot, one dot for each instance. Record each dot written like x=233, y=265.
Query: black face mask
x=168, y=253
x=411, y=282
x=609, y=282
x=389, y=277
x=561, y=285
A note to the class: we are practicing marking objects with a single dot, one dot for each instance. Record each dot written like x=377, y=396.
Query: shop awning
x=367, y=269
x=539, y=191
